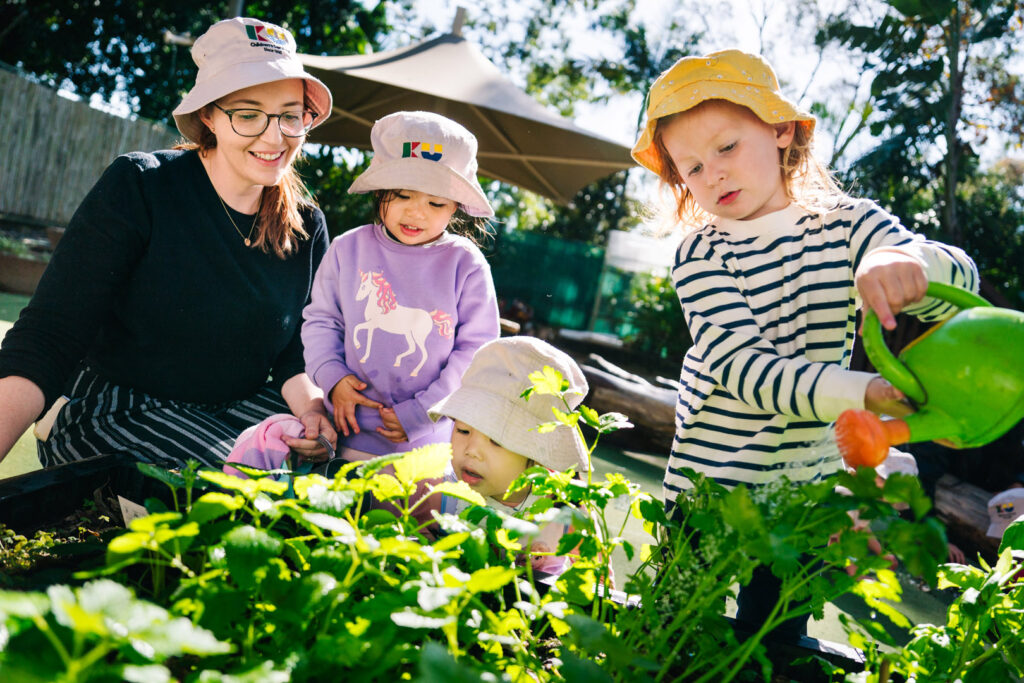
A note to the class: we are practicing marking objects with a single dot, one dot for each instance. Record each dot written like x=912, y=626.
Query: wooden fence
x=52, y=149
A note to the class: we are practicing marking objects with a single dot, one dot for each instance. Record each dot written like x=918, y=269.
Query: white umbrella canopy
x=520, y=142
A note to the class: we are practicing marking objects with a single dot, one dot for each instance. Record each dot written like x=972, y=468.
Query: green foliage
x=119, y=44
x=254, y=580
x=656, y=319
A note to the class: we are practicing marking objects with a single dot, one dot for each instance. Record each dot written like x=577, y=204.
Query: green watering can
x=965, y=377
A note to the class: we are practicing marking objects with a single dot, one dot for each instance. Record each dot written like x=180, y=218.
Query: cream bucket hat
x=239, y=53
x=490, y=401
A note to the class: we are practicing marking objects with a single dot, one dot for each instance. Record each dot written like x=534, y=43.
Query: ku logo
x=1004, y=508
x=266, y=34
x=425, y=150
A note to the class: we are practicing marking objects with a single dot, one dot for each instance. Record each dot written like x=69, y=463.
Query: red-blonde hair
x=806, y=180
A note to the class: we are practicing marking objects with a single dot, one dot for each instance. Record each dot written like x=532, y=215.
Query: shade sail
x=520, y=142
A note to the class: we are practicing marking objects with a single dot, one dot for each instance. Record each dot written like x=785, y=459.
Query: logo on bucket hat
x=263, y=33
x=412, y=150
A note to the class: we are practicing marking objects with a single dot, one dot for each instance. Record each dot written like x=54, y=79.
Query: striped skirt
x=108, y=419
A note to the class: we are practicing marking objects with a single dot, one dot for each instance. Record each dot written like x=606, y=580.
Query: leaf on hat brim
x=548, y=381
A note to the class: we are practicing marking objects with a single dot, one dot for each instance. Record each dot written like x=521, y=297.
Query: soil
x=52, y=555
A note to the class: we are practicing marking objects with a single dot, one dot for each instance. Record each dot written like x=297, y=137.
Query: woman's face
x=240, y=162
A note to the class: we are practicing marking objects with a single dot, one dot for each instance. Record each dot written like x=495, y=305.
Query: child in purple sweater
x=399, y=307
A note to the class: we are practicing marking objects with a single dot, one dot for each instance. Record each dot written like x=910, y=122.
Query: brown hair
x=806, y=180
x=280, y=227
x=461, y=223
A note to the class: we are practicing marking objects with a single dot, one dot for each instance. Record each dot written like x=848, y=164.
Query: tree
x=937, y=68
x=118, y=47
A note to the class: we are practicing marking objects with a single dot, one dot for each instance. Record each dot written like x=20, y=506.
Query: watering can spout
x=964, y=376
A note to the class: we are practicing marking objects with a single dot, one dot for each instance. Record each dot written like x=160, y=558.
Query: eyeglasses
x=250, y=123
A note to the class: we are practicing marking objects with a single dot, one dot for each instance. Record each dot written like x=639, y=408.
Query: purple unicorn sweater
x=404, y=319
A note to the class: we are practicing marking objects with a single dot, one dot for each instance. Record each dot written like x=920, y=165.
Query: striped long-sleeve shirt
x=771, y=304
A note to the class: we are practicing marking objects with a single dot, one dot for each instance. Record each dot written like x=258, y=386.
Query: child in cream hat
x=496, y=436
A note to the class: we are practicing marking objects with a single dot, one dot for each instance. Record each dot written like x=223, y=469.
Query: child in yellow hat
x=774, y=262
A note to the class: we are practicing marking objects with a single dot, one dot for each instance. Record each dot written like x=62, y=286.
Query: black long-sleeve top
x=153, y=287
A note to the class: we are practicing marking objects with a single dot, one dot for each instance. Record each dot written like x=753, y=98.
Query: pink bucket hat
x=490, y=400
x=425, y=152
x=239, y=53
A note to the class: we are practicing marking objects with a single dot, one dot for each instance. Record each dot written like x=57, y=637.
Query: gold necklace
x=245, y=239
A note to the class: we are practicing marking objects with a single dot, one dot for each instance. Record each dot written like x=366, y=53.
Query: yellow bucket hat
x=732, y=75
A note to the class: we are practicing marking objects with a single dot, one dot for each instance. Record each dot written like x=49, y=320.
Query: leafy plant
x=981, y=639
x=308, y=582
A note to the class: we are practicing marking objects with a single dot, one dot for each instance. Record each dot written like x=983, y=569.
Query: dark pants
x=755, y=602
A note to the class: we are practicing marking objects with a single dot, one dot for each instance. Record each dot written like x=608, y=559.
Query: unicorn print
x=383, y=312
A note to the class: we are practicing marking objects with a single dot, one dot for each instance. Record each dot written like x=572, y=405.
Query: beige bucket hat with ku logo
x=239, y=53
x=425, y=152
x=738, y=77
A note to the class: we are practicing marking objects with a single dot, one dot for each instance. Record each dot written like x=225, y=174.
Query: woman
x=170, y=312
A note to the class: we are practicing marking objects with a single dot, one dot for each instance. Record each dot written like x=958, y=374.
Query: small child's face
x=417, y=217
x=729, y=159
x=488, y=468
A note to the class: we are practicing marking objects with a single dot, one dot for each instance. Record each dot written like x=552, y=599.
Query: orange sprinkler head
x=864, y=439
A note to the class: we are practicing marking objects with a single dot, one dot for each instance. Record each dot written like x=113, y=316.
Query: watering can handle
x=887, y=364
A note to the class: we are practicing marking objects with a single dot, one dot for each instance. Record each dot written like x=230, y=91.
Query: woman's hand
x=310, y=448
x=345, y=396
x=888, y=281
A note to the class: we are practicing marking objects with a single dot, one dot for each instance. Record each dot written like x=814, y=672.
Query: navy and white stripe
x=102, y=418
x=771, y=304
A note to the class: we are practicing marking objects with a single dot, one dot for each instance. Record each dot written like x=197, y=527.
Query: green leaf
x=410, y=619
x=489, y=579
x=172, y=479
x=459, y=489
x=1013, y=536
x=213, y=505
x=548, y=381
x=247, y=549
x=428, y=462
x=590, y=416
x=25, y=605
x=250, y=488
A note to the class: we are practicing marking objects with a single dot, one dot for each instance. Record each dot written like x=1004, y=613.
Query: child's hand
x=392, y=429
x=345, y=397
x=882, y=398
x=888, y=281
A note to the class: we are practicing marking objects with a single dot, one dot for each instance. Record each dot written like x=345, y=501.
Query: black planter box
x=39, y=499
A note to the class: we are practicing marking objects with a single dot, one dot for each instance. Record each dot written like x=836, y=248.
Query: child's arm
x=729, y=349
x=893, y=267
x=477, y=324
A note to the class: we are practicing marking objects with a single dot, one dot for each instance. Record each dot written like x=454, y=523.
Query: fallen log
x=963, y=508
x=650, y=408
